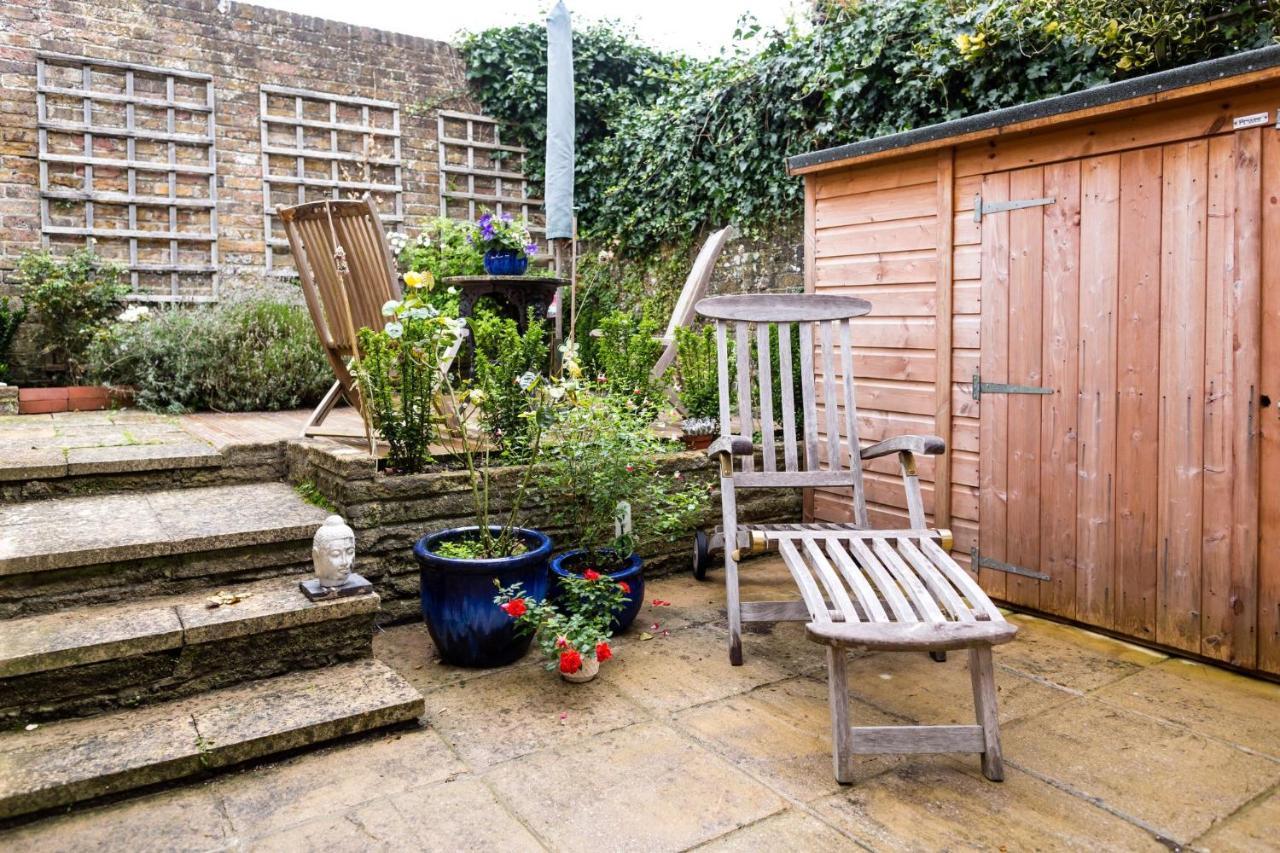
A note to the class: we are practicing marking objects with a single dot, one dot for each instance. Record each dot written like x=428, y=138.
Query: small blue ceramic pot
x=505, y=262
x=571, y=564
x=457, y=597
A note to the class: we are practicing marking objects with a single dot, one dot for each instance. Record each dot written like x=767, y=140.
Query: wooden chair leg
x=841, y=732
x=938, y=657
x=982, y=673
x=734, y=608
x=321, y=411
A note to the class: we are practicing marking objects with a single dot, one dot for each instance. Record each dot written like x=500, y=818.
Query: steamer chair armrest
x=724, y=448
x=926, y=445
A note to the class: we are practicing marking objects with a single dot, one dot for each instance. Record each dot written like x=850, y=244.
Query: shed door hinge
x=980, y=388
x=980, y=209
x=981, y=562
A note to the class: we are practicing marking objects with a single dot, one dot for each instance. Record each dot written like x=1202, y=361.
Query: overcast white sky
x=696, y=27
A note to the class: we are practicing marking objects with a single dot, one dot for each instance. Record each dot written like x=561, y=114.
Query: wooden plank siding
x=1146, y=296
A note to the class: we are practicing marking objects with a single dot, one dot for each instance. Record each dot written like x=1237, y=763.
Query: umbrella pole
x=573, y=281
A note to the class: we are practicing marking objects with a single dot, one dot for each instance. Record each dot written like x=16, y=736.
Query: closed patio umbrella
x=560, y=137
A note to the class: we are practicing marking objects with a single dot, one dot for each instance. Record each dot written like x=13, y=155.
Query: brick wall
x=242, y=47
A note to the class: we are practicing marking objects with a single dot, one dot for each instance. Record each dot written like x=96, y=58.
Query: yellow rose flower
x=413, y=279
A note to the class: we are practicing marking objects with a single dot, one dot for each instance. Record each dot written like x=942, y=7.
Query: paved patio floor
x=1108, y=746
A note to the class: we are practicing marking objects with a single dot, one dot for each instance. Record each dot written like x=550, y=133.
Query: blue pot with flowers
x=506, y=243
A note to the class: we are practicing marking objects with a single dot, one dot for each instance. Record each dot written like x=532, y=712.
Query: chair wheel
x=938, y=657
x=701, y=555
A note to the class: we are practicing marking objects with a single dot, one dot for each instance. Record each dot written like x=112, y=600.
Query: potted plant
x=459, y=567
x=72, y=298
x=601, y=481
x=574, y=632
x=506, y=243
x=697, y=387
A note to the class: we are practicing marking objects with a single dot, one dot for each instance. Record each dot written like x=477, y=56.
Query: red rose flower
x=515, y=608
x=626, y=587
x=630, y=468
x=591, y=575
x=603, y=652
x=570, y=661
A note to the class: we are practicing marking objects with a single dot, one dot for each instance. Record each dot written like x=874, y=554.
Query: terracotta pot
x=590, y=669
x=697, y=442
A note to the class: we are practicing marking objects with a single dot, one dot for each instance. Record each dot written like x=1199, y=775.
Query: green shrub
x=503, y=358
x=598, y=454
x=625, y=354
x=10, y=319
x=696, y=372
x=246, y=356
x=72, y=298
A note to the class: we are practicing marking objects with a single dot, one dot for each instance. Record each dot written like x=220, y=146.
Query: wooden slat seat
x=882, y=590
x=906, y=637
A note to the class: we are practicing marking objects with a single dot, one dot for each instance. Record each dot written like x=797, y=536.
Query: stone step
x=87, y=660
x=73, y=552
x=76, y=760
x=115, y=452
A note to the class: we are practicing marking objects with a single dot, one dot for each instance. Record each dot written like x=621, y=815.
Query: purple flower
x=486, y=232
x=531, y=249
x=484, y=221
x=507, y=217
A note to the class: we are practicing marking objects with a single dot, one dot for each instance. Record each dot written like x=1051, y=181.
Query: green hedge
x=668, y=147
x=246, y=356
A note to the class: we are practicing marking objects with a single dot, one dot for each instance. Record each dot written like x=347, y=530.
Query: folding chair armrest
x=724, y=448
x=927, y=445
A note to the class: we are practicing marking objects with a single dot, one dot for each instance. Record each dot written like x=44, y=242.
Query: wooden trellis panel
x=127, y=164
x=317, y=145
x=478, y=171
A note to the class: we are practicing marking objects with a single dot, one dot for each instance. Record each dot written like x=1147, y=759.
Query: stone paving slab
x=1254, y=828
x=931, y=803
x=65, y=762
x=130, y=458
x=69, y=532
x=663, y=792
x=1168, y=777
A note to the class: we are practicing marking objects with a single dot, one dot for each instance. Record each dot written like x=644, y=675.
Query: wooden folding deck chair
x=695, y=287
x=347, y=273
x=895, y=590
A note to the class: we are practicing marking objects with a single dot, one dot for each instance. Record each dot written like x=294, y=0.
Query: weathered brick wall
x=242, y=47
x=773, y=263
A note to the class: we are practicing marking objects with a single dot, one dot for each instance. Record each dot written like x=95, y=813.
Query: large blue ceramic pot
x=573, y=563
x=505, y=262
x=457, y=597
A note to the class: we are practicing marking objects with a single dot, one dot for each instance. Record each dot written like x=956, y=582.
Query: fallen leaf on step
x=645, y=635
x=222, y=598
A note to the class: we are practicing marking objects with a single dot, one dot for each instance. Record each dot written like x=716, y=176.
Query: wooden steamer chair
x=861, y=588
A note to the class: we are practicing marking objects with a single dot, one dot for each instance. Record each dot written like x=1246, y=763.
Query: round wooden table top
x=505, y=279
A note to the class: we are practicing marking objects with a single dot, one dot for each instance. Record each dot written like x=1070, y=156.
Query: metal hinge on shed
x=980, y=388
x=981, y=562
x=981, y=209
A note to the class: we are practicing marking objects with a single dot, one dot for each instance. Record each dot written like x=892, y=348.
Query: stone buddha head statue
x=333, y=551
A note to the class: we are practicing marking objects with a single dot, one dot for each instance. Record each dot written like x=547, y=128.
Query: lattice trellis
x=127, y=163
x=317, y=145
x=478, y=171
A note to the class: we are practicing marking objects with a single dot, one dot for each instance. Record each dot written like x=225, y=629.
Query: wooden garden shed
x=1082, y=296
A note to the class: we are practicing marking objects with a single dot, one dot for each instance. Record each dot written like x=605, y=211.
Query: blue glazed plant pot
x=572, y=564
x=457, y=598
x=506, y=262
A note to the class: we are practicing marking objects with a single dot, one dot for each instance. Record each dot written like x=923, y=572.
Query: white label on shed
x=1251, y=121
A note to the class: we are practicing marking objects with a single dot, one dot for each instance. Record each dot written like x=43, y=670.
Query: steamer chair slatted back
x=347, y=274
x=820, y=455
x=694, y=288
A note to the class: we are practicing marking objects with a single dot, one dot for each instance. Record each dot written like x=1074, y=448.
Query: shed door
x=1134, y=298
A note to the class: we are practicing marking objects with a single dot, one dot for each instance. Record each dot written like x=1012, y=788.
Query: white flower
x=134, y=313
x=389, y=308
x=394, y=330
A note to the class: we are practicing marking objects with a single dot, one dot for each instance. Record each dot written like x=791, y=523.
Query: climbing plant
x=668, y=147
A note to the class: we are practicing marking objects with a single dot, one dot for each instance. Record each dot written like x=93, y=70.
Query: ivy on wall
x=669, y=147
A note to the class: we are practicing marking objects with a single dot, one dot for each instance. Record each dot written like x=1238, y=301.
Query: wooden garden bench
x=860, y=588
